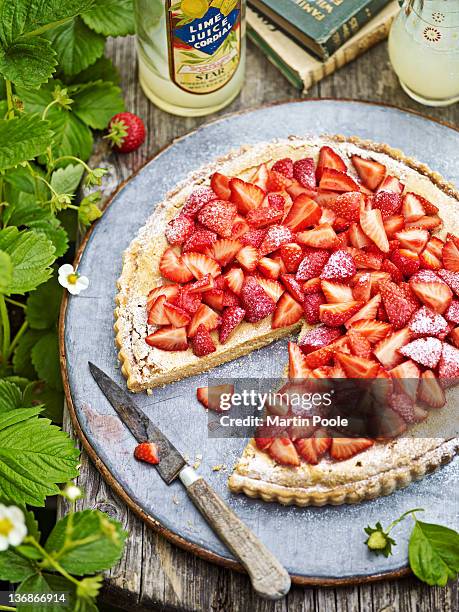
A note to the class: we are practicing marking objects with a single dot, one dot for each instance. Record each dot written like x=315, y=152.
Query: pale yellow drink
x=191, y=53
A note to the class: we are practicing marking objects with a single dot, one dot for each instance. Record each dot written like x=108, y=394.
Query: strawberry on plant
x=126, y=132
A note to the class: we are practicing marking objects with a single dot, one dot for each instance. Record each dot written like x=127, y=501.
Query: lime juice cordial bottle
x=191, y=53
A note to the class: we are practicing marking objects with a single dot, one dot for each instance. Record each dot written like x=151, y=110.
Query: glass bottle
x=191, y=53
x=424, y=50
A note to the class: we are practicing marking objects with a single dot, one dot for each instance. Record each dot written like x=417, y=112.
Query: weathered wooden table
x=154, y=574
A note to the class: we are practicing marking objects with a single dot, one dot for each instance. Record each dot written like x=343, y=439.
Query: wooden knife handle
x=269, y=579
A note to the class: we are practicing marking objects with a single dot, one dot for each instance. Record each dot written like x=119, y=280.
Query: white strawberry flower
x=72, y=492
x=13, y=529
x=71, y=280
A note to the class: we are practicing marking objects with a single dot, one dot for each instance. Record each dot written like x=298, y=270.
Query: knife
x=269, y=578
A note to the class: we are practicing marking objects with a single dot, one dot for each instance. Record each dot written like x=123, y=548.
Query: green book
x=322, y=26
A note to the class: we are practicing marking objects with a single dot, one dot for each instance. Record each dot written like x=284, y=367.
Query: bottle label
x=204, y=43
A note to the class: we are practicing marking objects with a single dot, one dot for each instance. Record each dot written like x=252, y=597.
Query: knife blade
x=269, y=578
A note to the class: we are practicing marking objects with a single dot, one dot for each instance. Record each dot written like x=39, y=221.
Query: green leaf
x=31, y=255
x=71, y=136
x=94, y=542
x=102, y=70
x=28, y=61
x=52, y=400
x=14, y=568
x=96, y=103
x=434, y=553
x=21, y=139
x=45, y=358
x=34, y=456
x=43, y=305
x=66, y=180
x=20, y=179
x=42, y=584
x=10, y=396
x=22, y=361
x=111, y=17
x=36, y=100
x=6, y=271
x=77, y=46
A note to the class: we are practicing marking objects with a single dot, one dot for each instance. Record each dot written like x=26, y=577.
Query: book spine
x=350, y=27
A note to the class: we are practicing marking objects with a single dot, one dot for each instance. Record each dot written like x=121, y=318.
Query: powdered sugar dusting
x=426, y=351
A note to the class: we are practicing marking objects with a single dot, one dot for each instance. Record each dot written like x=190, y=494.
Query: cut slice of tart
x=336, y=232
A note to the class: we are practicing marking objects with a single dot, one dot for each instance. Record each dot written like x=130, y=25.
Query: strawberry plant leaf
x=43, y=584
x=45, y=358
x=66, y=180
x=22, y=361
x=71, y=136
x=96, y=103
x=6, y=271
x=86, y=542
x=10, y=396
x=28, y=61
x=52, y=400
x=14, y=568
x=43, y=305
x=76, y=45
x=434, y=553
x=22, y=139
x=111, y=17
x=34, y=456
x=31, y=256
x=102, y=70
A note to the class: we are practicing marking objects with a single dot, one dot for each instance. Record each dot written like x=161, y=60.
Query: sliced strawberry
x=148, y=452
x=203, y=316
x=370, y=172
x=413, y=239
x=357, y=237
x=266, y=215
x=454, y=336
x=234, y=280
x=283, y=452
x=329, y=159
x=171, y=292
x=206, y=283
x=179, y=230
x=200, y=265
x=306, y=447
x=202, y=343
x=425, y=351
x=231, y=319
x=388, y=203
x=292, y=255
x=221, y=185
x=426, y=322
x=391, y=183
x=393, y=224
x=311, y=305
x=248, y=257
x=197, y=199
x=278, y=182
x=412, y=207
x=225, y=250
x=272, y=287
x=435, y=246
x=288, y=311
x=398, y=306
x=430, y=391
x=264, y=443
x=372, y=225
x=357, y=367
x=450, y=256
x=387, y=350
x=449, y=362
x=268, y=267
x=336, y=180
x=348, y=205
x=368, y=261
x=429, y=261
x=172, y=267
x=218, y=216
x=395, y=273
x=337, y=292
x=312, y=264
x=407, y=376
x=403, y=403
x=318, y=338
x=260, y=177
x=156, y=314
x=339, y=267
x=313, y=285
x=298, y=368
x=361, y=289
x=200, y=241
x=177, y=317
x=276, y=236
x=245, y=195
x=406, y=261
x=369, y=311
x=373, y=331
x=431, y=290
x=284, y=166
x=336, y=315
x=304, y=172
x=214, y=298
x=210, y=397
x=256, y=301
x=304, y=213
x=428, y=223
x=188, y=301
x=293, y=287
x=169, y=339
x=358, y=344
x=451, y=279
x=452, y=314
x=321, y=237
x=345, y=448
x=254, y=237
x=240, y=228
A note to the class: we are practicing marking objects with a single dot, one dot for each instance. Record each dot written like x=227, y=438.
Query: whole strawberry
x=126, y=132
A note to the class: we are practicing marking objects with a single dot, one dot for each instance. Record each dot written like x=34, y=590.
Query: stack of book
x=309, y=40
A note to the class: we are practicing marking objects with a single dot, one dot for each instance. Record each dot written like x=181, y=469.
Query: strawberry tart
x=348, y=242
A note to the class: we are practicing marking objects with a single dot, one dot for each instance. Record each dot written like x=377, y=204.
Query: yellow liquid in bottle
x=191, y=53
